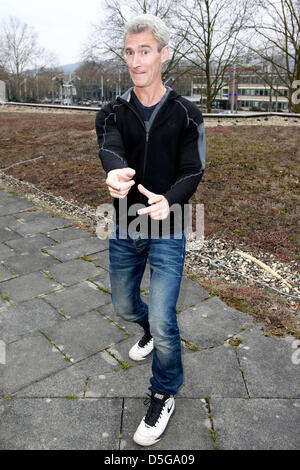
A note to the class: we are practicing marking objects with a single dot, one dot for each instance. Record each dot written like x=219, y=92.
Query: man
x=152, y=146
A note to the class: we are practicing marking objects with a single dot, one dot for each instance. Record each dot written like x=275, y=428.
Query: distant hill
x=70, y=68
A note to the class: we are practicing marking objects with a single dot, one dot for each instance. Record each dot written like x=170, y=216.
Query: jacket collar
x=170, y=94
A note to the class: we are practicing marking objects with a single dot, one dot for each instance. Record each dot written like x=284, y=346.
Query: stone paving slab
x=79, y=247
x=8, y=234
x=6, y=251
x=103, y=280
x=211, y=322
x=120, y=352
x=96, y=333
x=34, y=215
x=12, y=206
x=27, y=263
x=268, y=365
x=3, y=303
x=7, y=220
x=77, y=299
x=256, y=424
x=7, y=197
x=26, y=317
x=214, y=372
x=131, y=382
x=191, y=294
x=73, y=380
x=30, y=244
x=74, y=271
x=27, y=286
x=39, y=225
x=27, y=360
x=188, y=428
x=5, y=274
x=102, y=259
x=43, y=424
x=66, y=234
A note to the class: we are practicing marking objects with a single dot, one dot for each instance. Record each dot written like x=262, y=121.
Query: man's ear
x=164, y=53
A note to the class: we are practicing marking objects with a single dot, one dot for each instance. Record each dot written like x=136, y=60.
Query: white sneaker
x=153, y=425
x=142, y=348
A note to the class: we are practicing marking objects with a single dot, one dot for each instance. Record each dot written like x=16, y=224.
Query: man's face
x=143, y=59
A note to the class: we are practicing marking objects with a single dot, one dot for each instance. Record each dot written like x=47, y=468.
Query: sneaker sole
x=139, y=358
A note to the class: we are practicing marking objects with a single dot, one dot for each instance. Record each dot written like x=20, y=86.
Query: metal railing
x=249, y=114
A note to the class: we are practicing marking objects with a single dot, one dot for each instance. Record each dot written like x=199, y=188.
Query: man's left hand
x=159, y=207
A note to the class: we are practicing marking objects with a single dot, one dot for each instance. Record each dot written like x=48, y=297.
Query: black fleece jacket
x=167, y=152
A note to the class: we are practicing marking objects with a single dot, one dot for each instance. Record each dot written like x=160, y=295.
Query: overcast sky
x=62, y=25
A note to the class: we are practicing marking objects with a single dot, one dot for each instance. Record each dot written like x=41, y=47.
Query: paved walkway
x=67, y=381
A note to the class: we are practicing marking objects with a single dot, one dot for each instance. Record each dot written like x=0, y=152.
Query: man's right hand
x=119, y=182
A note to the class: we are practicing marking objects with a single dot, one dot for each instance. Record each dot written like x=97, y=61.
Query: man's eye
x=145, y=52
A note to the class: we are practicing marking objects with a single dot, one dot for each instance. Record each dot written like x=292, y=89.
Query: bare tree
x=18, y=49
x=106, y=39
x=275, y=39
x=211, y=29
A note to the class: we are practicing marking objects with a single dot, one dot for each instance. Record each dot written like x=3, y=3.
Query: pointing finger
x=145, y=191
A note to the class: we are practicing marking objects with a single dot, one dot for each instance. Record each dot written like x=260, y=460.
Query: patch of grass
x=191, y=346
x=87, y=258
x=124, y=364
x=235, y=342
x=105, y=290
x=263, y=305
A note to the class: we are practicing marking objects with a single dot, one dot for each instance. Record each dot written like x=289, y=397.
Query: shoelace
x=144, y=340
x=154, y=410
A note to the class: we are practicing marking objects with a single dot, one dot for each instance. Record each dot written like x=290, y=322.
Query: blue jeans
x=127, y=262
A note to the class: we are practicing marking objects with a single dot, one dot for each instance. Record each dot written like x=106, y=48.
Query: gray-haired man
x=152, y=146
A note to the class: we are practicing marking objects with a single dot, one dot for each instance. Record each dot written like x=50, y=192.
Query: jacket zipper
x=147, y=131
x=147, y=136
x=145, y=154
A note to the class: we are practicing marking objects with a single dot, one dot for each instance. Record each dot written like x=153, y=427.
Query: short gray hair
x=152, y=23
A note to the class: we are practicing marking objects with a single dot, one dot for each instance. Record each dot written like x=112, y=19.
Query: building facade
x=249, y=91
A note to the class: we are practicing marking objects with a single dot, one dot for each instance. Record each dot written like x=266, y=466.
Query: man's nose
x=136, y=60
